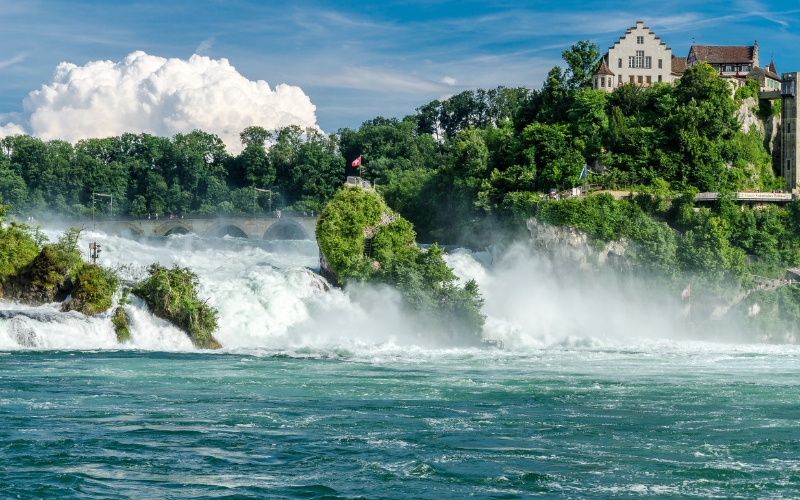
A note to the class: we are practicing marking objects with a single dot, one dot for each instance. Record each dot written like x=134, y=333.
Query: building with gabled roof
x=767, y=78
x=728, y=60
x=638, y=57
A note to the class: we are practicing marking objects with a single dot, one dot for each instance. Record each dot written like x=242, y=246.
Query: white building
x=639, y=57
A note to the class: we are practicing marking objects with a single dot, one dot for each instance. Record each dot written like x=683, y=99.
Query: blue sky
x=358, y=60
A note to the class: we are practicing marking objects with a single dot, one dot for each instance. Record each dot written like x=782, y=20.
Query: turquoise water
x=660, y=418
x=319, y=393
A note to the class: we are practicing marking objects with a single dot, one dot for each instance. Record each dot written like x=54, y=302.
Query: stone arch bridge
x=254, y=228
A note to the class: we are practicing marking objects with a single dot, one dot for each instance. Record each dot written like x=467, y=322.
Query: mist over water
x=269, y=297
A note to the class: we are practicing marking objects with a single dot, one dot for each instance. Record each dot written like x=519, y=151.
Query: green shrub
x=750, y=89
x=19, y=245
x=120, y=322
x=92, y=291
x=172, y=295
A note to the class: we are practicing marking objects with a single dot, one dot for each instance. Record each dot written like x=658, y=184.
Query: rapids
x=269, y=296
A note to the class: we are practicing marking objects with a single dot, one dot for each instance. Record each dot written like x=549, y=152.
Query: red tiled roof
x=678, y=65
x=603, y=69
x=724, y=54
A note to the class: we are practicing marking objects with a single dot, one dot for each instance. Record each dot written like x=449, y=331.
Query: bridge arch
x=130, y=229
x=286, y=229
x=169, y=228
x=177, y=230
x=226, y=229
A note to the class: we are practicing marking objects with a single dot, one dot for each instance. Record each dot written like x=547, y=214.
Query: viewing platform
x=749, y=197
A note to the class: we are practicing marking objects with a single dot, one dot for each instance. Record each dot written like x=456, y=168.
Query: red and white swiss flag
x=357, y=162
x=685, y=293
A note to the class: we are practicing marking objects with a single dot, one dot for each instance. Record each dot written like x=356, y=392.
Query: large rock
x=748, y=117
x=569, y=244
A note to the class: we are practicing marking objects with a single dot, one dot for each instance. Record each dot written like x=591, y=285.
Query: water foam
x=271, y=300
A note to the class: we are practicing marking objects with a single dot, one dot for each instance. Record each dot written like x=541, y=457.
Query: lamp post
x=255, y=193
x=94, y=224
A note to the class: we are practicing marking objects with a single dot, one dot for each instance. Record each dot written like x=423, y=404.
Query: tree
x=581, y=61
x=588, y=119
x=255, y=135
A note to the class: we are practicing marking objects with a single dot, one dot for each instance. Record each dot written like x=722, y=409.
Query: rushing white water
x=269, y=297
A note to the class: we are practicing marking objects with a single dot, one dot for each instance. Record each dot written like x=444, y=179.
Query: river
x=326, y=394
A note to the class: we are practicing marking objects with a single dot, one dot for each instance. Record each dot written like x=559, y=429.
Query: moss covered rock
x=172, y=295
x=121, y=327
x=362, y=241
x=92, y=290
x=49, y=276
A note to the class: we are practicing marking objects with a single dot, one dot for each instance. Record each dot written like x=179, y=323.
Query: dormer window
x=640, y=40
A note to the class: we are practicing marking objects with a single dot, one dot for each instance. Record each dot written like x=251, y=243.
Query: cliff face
x=568, y=244
x=769, y=128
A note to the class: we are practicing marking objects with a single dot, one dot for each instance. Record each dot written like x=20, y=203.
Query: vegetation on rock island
x=172, y=295
x=364, y=241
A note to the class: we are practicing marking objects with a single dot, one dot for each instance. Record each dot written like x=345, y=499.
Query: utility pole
x=94, y=252
x=255, y=193
x=94, y=224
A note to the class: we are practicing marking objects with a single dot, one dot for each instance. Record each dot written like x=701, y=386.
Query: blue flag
x=583, y=173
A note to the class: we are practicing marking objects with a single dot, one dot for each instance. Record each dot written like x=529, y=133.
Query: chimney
x=755, y=55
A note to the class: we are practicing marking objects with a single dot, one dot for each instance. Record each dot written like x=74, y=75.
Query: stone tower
x=790, y=153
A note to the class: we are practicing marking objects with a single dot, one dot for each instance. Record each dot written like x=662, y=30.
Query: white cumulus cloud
x=145, y=93
x=449, y=80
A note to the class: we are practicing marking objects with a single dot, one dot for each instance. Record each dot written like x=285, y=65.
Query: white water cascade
x=270, y=298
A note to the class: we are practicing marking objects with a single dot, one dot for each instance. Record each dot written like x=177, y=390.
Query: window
x=595, y=84
x=640, y=40
x=659, y=78
x=639, y=58
x=788, y=165
x=648, y=62
x=631, y=79
x=619, y=79
x=631, y=61
x=659, y=64
x=619, y=62
x=639, y=78
x=649, y=80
